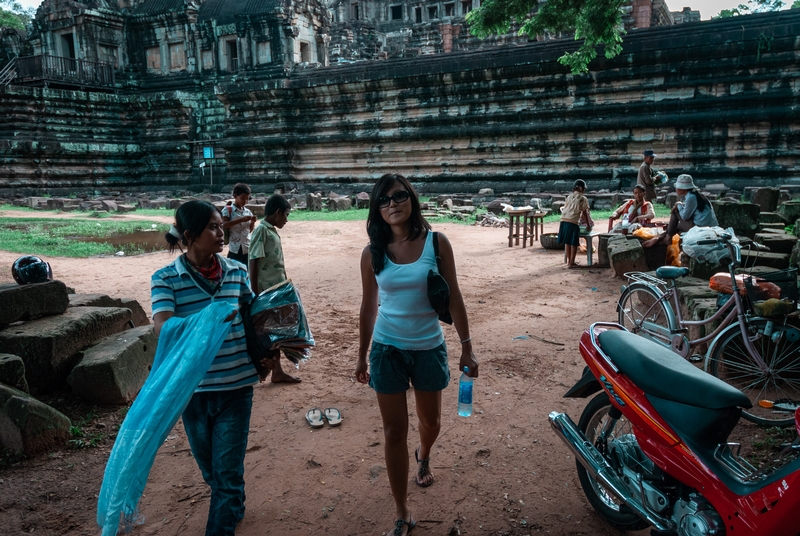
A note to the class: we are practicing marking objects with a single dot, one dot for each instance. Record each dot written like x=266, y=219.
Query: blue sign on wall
x=208, y=152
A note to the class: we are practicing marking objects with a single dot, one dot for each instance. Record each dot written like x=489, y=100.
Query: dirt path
x=500, y=472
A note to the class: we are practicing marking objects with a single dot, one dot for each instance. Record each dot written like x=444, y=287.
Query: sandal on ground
x=314, y=418
x=333, y=416
x=398, y=526
x=423, y=471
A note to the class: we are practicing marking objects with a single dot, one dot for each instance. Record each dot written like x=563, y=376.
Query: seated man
x=639, y=211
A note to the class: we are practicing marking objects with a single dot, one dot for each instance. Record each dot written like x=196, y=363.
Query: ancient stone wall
x=719, y=100
x=61, y=140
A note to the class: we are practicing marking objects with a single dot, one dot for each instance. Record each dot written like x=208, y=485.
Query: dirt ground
x=500, y=472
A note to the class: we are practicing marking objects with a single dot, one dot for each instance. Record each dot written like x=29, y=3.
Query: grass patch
x=62, y=238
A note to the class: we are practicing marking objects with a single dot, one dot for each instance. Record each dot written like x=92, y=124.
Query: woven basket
x=550, y=241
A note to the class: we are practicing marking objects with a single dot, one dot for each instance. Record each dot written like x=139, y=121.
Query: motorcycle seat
x=660, y=372
x=671, y=272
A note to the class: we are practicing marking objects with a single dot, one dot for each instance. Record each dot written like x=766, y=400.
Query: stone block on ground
x=12, y=372
x=771, y=217
x=704, y=270
x=337, y=204
x=766, y=198
x=779, y=261
x=28, y=426
x=602, y=250
x=23, y=302
x=114, y=369
x=51, y=346
x=626, y=256
x=314, y=202
x=790, y=210
x=777, y=242
x=139, y=317
x=362, y=200
x=743, y=217
x=794, y=258
x=496, y=206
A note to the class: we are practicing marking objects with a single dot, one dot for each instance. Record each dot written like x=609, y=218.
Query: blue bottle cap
x=466, y=370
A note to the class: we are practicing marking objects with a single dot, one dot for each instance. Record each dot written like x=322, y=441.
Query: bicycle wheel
x=780, y=382
x=641, y=312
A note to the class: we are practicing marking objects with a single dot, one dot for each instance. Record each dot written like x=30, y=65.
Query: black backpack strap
x=436, y=251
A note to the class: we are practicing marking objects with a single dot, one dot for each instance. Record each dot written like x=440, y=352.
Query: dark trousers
x=678, y=225
x=241, y=257
x=217, y=424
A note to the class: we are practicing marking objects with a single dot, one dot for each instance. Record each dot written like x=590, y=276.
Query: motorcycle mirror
x=797, y=420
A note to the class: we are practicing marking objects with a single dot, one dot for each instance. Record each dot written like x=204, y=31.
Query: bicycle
x=760, y=356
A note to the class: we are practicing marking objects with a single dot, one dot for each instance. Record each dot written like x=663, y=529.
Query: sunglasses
x=398, y=197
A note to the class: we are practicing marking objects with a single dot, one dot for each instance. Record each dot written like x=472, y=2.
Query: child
x=267, y=267
x=240, y=222
x=576, y=208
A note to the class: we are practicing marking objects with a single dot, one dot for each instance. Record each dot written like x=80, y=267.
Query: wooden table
x=528, y=219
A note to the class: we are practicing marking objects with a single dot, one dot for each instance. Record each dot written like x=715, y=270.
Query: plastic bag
x=706, y=253
x=673, y=256
x=721, y=282
x=645, y=233
x=277, y=321
x=186, y=348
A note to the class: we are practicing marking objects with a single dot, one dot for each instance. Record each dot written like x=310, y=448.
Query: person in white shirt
x=238, y=219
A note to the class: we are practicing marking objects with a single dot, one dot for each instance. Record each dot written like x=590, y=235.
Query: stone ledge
x=23, y=302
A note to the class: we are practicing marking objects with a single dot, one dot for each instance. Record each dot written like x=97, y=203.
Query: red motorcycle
x=652, y=448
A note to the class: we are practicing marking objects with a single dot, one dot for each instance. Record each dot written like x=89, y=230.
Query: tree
x=754, y=6
x=14, y=15
x=597, y=22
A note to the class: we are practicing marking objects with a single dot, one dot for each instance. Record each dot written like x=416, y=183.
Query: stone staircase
x=9, y=72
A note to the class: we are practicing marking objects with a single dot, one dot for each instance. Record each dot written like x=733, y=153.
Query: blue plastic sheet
x=186, y=348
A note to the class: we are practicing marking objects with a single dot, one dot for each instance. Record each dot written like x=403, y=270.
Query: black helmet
x=31, y=269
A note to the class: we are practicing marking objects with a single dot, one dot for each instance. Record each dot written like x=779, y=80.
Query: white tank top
x=406, y=319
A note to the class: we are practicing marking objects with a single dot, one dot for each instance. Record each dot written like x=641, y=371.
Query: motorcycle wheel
x=731, y=362
x=641, y=312
x=593, y=419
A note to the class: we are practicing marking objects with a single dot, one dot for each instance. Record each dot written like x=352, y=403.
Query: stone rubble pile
x=100, y=346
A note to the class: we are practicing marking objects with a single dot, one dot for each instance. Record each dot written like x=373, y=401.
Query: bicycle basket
x=774, y=293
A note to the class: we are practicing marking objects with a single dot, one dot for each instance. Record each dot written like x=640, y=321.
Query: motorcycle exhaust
x=598, y=468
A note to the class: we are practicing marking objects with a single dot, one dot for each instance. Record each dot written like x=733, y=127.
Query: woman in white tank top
x=407, y=340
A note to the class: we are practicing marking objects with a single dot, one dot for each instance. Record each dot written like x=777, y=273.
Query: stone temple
x=137, y=94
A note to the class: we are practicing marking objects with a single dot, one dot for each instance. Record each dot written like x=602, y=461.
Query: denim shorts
x=391, y=368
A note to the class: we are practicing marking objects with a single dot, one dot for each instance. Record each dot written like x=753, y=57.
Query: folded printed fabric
x=186, y=348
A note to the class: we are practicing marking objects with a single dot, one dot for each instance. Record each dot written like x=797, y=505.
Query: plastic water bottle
x=465, y=394
x=625, y=224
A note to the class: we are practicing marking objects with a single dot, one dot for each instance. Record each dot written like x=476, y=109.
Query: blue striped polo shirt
x=173, y=290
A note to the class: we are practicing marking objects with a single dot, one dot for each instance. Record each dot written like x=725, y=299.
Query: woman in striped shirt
x=217, y=419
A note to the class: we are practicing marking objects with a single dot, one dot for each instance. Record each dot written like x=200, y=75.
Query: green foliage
x=596, y=22
x=62, y=238
x=753, y=6
x=796, y=4
x=10, y=20
x=81, y=439
x=14, y=15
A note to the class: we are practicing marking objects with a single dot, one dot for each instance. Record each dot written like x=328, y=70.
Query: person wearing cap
x=647, y=175
x=694, y=210
x=639, y=211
